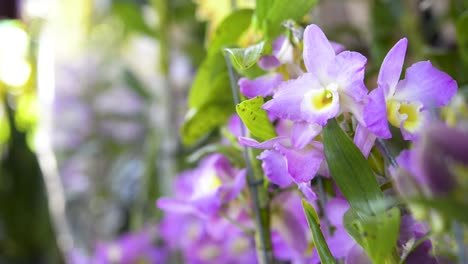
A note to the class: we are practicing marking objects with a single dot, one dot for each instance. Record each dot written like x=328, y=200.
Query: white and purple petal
x=375, y=114
x=303, y=133
x=318, y=52
x=262, y=85
x=302, y=164
x=275, y=168
x=269, y=144
x=286, y=102
x=426, y=84
x=347, y=71
x=392, y=65
x=364, y=139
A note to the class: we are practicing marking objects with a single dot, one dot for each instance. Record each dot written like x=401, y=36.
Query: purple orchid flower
x=333, y=84
x=404, y=103
x=131, y=248
x=433, y=157
x=204, y=190
x=210, y=240
x=290, y=233
x=410, y=231
x=284, y=164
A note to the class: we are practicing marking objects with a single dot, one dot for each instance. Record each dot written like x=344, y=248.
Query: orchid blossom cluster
x=211, y=215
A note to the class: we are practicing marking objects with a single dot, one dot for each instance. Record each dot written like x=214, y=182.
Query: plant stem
x=386, y=152
x=459, y=240
x=258, y=192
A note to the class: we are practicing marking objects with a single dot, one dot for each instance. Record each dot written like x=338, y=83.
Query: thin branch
x=261, y=213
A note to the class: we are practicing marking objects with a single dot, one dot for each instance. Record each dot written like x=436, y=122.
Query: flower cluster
x=211, y=217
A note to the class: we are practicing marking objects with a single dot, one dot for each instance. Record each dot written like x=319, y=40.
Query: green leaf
x=246, y=58
x=448, y=207
x=211, y=83
x=130, y=14
x=279, y=11
x=211, y=87
x=462, y=35
x=261, y=9
x=229, y=31
x=199, y=122
x=377, y=235
x=351, y=171
x=232, y=154
x=314, y=225
x=255, y=118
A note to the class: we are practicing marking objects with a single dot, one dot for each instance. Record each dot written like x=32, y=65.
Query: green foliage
x=246, y=58
x=271, y=13
x=377, y=234
x=200, y=122
x=386, y=18
x=130, y=13
x=230, y=30
x=314, y=225
x=375, y=229
x=210, y=94
x=233, y=154
x=462, y=36
x=351, y=170
x=256, y=119
x=447, y=207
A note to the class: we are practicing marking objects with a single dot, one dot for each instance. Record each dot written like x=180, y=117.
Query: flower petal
x=268, y=62
x=307, y=191
x=390, y=70
x=302, y=133
x=302, y=164
x=375, y=114
x=337, y=47
x=318, y=52
x=286, y=102
x=335, y=210
x=275, y=168
x=347, y=71
x=262, y=85
x=364, y=139
x=426, y=84
x=269, y=144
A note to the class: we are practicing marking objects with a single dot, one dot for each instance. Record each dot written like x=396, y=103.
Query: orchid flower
x=204, y=190
x=332, y=84
x=283, y=164
x=404, y=103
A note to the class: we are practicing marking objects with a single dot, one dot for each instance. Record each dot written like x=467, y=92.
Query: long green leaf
x=320, y=243
x=280, y=11
x=229, y=31
x=256, y=119
x=377, y=235
x=199, y=123
x=261, y=9
x=211, y=88
x=462, y=36
x=351, y=171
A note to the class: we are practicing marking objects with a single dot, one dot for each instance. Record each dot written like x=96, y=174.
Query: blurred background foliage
x=122, y=70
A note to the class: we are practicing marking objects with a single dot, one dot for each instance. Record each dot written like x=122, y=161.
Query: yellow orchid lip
x=321, y=99
x=406, y=114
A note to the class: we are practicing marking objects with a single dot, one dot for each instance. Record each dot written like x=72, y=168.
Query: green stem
x=385, y=151
x=258, y=192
